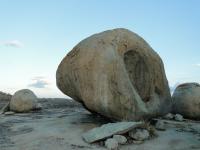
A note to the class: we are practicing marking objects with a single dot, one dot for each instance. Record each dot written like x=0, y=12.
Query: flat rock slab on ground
x=60, y=124
x=107, y=130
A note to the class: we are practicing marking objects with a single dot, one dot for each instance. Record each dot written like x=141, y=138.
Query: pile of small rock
x=112, y=135
x=136, y=136
x=115, y=134
x=176, y=117
x=160, y=124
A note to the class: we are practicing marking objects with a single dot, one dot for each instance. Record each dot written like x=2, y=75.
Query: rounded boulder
x=23, y=101
x=186, y=100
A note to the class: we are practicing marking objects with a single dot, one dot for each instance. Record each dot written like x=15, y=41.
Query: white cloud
x=13, y=43
x=39, y=82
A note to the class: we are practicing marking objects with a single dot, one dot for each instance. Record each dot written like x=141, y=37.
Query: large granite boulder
x=186, y=100
x=23, y=101
x=116, y=74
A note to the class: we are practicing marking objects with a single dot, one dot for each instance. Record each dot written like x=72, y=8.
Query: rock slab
x=9, y=113
x=108, y=130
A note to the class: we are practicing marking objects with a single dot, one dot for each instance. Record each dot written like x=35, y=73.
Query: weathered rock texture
x=23, y=101
x=116, y=74
x=186, y=100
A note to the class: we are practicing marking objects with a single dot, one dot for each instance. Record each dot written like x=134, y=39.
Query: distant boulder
x=5, y=96
x=23, y=101
x=116, y=74
x=186, y=100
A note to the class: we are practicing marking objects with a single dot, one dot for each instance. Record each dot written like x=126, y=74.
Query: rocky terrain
x=125, y=102
x=62, y=122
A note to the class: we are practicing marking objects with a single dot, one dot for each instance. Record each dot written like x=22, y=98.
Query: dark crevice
x=138, y=73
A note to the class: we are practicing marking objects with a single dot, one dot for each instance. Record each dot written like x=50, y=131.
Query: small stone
x=9, y=113
x=120, y=139
x=169, y=116
x=139, y=134
x=178, y=117
x=5, y=108
x=160, y=125
x=111, y=144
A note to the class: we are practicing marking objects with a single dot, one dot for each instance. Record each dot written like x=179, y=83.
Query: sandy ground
x=61, y=123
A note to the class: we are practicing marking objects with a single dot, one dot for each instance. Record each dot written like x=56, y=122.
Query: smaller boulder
x=120, y=139
x=23, y=101
x=139, y=134
x=178, y=117
x=160, y=125
x=111, y=144
x=186, y=100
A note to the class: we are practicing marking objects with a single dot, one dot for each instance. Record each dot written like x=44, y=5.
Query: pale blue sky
x=35, y=36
